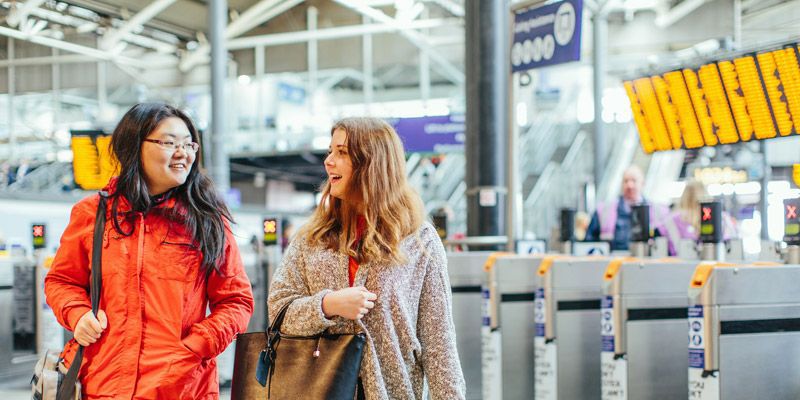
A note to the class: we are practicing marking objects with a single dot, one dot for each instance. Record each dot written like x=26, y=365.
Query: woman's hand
x=351, y=303
x=89, y=327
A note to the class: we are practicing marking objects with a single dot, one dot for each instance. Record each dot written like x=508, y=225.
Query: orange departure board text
x=755, y=96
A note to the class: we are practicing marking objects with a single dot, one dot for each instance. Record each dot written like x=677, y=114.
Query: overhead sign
x=756, y=96
x=547, y=35
x=437, y=134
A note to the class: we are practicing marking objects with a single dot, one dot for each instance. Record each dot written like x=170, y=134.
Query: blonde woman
x=684, y=222
x=367, y=258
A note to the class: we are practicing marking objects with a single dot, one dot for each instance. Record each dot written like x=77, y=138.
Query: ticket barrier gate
x=17, y=316
x=744, y=332
x=508, y=326
x=466, y=275
x=566, y=345
x=643, y=329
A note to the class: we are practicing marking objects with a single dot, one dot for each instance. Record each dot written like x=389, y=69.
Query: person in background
x=581, y=225
x=684, y=220
x=168, y=256
x=368, y=261
x=611, y=221
x=287, y=232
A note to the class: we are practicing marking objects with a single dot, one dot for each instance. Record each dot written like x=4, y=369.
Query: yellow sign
x=796, y=174
x=728, y=101
x=93, y=163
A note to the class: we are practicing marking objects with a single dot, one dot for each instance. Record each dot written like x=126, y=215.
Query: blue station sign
x=547, y=35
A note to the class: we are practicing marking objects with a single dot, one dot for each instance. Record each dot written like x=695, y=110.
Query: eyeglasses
x=189, y=147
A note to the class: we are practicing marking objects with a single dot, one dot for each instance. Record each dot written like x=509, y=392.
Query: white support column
x=737, y=24
x=12, y=138
x=313, y=58
x=425, y=72
x=55, y=80
x=259, y=61
x=366, y=55
x=600, y=64
x=424, y=77
x=102, y=90
x=218, y=20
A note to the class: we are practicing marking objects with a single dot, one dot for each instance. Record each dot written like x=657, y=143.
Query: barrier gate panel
x=756, y=373
x=17, y=304
x=646, y=359
x=511, y=283
x=578, y=351
x=572, y=291
x=466, y=274
x=516, y=280
x=744, y=331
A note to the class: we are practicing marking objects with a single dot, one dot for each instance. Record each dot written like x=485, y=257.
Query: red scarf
x=361, y=226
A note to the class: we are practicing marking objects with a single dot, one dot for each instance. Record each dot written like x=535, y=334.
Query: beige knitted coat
x=411, y=336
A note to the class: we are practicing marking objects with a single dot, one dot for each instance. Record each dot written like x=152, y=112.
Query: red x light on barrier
x=38, y=230
x=706, y=213
x=791, y=211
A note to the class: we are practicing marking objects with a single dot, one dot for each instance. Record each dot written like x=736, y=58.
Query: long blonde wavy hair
x=392, y=209
x=689, y=204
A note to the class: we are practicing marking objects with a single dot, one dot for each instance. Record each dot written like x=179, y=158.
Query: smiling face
x=165, y=167
x=338, y=165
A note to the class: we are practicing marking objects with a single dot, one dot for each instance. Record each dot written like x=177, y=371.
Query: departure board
x=93, y=164
x=756, y=96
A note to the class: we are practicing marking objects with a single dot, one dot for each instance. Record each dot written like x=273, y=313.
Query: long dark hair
x=204, y=208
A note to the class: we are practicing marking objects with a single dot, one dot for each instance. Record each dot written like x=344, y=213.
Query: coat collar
x=124, y=206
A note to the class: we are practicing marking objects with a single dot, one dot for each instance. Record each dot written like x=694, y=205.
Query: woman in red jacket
x=168, y=255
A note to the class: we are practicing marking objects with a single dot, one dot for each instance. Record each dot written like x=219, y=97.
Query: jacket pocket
x=180, y=260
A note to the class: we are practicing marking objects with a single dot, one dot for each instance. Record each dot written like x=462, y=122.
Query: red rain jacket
x=159, y=343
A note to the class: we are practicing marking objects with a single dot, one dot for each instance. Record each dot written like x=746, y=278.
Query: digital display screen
x=711, y=222
x=93, y=164
x=722, y=102
x=791, y=227
x=706, y=224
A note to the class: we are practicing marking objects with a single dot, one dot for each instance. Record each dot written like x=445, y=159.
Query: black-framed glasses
x=189, y=147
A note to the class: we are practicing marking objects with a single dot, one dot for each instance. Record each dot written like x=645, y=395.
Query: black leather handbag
x=273, y=365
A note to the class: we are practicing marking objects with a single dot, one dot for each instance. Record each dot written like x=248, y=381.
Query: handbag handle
x=278, y=321
x=66, y=388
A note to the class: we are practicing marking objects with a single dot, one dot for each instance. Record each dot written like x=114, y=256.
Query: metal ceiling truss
x=113, y=38
x=450, y=71
x=86, y=50
x=339, y=32
x=33, y=31
x=258, y=14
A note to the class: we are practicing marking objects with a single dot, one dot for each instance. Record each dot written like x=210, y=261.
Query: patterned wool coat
x=410, y=332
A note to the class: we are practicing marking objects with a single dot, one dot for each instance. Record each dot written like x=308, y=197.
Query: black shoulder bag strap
x=66, y=388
